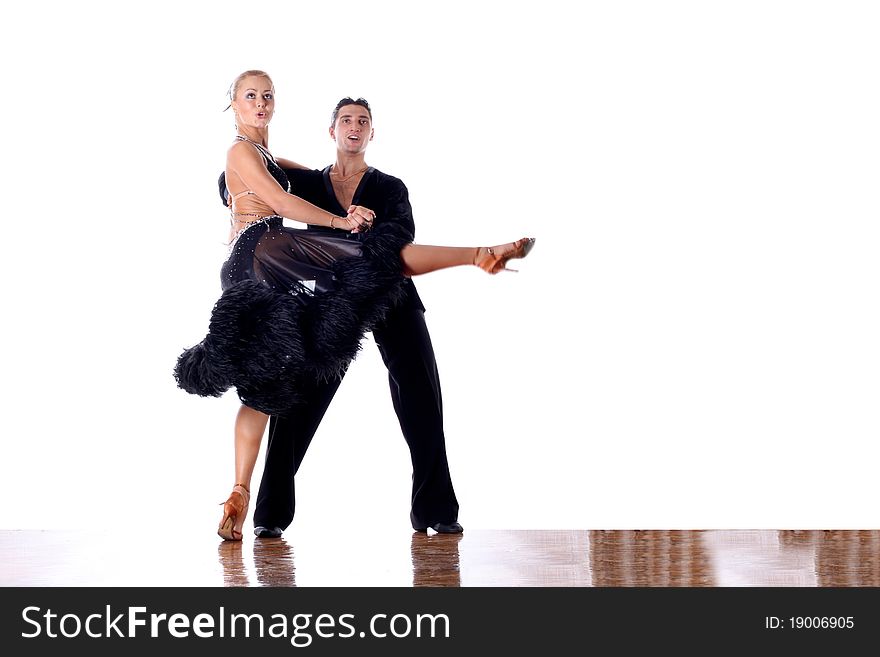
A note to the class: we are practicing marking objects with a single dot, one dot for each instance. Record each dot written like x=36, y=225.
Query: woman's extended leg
x=249, y=428
x=421, y=258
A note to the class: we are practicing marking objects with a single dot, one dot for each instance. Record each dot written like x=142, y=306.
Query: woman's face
x=254, y=102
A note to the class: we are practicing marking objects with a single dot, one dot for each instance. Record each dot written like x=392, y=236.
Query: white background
x=692, y=344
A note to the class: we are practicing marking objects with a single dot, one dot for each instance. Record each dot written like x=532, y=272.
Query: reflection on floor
x=478, y=558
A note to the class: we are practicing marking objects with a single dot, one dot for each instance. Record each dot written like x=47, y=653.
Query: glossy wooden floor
x=477, y=558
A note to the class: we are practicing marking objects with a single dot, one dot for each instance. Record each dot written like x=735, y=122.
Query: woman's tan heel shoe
x=493, y=259
x=234, y=514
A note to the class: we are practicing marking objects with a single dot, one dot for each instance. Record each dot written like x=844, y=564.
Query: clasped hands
x=359, y=219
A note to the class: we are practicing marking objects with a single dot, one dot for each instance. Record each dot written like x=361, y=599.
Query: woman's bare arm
x=244, y=161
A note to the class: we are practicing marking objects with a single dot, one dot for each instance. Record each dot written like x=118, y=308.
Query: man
x=403, y=341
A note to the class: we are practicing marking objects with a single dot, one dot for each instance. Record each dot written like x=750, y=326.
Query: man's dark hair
x=348, y=100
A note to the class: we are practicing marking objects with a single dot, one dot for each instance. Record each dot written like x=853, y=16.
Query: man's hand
x=362, y=217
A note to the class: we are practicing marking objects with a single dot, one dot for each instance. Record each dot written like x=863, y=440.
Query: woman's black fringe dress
x=295, y=305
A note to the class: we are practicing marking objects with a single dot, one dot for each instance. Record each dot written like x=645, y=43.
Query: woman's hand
x=351, y=223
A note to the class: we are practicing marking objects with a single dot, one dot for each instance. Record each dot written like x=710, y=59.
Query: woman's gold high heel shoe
x=234, y=513
x=492, y=260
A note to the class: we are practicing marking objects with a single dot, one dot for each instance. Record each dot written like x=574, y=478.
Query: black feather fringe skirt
x=295, y=304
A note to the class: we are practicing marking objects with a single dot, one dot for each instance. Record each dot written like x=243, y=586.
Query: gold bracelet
x=332, y=217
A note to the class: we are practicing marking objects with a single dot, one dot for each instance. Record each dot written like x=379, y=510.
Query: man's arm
x=397, y=207
x=289, y=164
x=224, y=192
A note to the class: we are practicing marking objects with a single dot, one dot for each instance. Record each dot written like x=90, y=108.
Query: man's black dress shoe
x=268, y=532
x=444, y=528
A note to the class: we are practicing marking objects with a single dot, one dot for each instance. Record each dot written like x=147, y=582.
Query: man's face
x=353, y=129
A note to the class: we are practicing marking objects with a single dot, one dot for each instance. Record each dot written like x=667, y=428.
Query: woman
x=295, y=303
